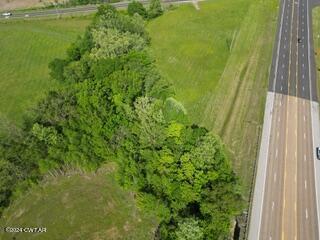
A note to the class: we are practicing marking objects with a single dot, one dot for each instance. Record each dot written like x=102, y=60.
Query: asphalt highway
x=71, y=10
x=285, y=203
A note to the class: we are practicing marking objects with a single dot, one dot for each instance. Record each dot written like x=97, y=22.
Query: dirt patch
x=20, y=4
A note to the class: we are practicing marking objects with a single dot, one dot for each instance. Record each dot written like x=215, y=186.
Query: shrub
x=155, y=9
x=137, y=7
x=189, y=229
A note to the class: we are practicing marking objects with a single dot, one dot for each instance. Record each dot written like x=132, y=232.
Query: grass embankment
x=80, y=206
x=218, y=60
x=316, y=41
x=26, y=49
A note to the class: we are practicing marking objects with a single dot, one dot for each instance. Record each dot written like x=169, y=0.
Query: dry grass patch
x=22, y=4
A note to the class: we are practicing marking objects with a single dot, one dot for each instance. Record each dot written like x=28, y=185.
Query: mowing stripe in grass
x=26, y=49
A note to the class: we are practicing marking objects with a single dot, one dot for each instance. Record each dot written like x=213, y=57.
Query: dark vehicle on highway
x=299, y=40
x=318, y=153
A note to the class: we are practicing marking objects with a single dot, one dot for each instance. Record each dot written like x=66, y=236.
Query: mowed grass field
x=316, y=41
x=218, y=60
x=192, y=47
x=79, y=206
x=26, y=48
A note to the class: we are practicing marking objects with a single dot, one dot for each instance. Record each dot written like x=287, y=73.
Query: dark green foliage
x=155, y=9
x=71, y=3
x=185, y=168
x=56, y=109
x=115, y=105
x=20, y=154
x=81, y=46
x=76, y=68
x=57, y=69
x=77, y=71
x=137, y=7
x=9, y=176
x=84, y=2
x=108, y=17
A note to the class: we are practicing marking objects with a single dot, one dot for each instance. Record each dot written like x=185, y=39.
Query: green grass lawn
x=192, y=47
x=80, y=206
x=316, y=40
x=218, y=61
x=26, y=49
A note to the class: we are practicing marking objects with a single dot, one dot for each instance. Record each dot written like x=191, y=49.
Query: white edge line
x=278, y=51
x=273, y=96
x=262, y=160
x=313, y=139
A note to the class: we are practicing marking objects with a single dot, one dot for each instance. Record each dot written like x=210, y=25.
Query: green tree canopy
x=155, y=9
x=189, y=229
x=114, y=105
x=137, y=7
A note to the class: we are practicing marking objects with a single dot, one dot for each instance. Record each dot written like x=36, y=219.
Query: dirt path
x=18, y=4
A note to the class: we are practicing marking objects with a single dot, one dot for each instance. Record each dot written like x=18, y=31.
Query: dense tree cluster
x=114, y=105
x=154, y=10
x=135, y=7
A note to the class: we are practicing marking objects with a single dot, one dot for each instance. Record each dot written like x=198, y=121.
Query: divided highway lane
x=285, y=203
x=308, y=210
x=71, y=10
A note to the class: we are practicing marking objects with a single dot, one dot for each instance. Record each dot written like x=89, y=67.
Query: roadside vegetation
x=316, y=41
x=72, y=3
x=218, y=60
x=26, y=49
x=112, y=105
x=154, y=9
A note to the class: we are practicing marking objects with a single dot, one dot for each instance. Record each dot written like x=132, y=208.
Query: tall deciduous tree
x=111, y=43
x=189, y=229
x=115, y=105
x=137, y=7
x=155, y=9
